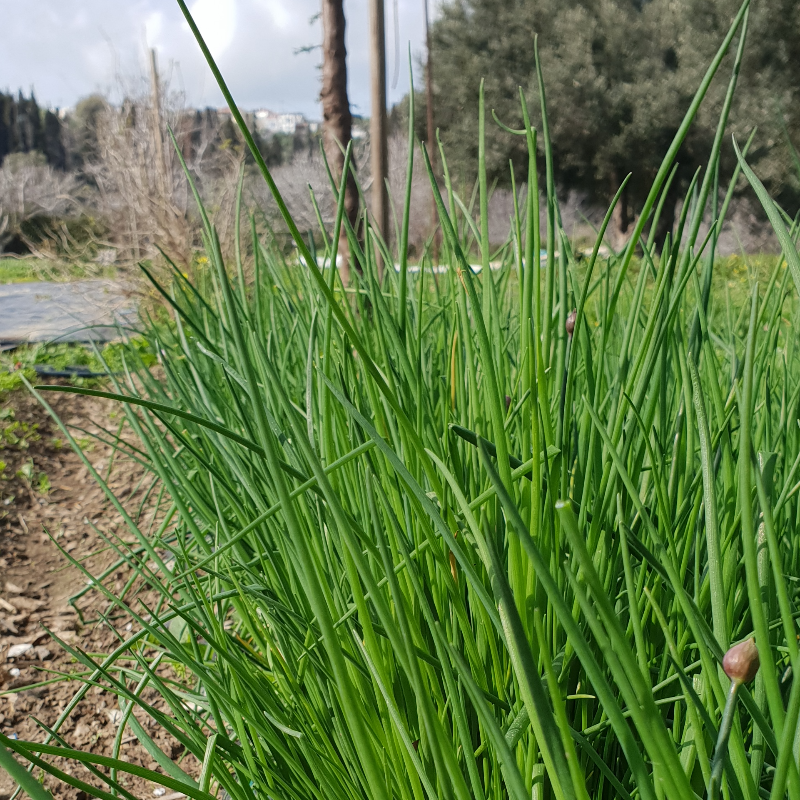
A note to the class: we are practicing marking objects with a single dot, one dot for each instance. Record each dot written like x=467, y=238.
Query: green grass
x=425, y=544
x=13, y=270
x=29, y=269
x=19, y=364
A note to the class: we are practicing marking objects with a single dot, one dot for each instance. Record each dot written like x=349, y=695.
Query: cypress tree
x=53, y=141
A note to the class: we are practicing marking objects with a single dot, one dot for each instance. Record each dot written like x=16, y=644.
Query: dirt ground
x=45, y=491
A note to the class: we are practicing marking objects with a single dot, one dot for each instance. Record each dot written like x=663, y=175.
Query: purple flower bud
x=741, y=662
x=570, y=324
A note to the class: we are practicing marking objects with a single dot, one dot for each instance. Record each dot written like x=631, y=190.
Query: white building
x=274, y=122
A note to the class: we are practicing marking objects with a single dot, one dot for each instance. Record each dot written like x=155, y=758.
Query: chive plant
x=464, y=535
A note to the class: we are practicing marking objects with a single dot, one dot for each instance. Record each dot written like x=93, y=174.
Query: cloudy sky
x=66, y=49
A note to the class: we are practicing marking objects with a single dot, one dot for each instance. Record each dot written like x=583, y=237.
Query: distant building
x=271, y=122
x=360, y=127
x=268, y=123
x=224, y=114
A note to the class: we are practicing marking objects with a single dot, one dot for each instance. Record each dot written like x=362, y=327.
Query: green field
x=30, y=268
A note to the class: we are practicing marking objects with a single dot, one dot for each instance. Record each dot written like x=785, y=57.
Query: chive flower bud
x=741, y=662
x=570, y=324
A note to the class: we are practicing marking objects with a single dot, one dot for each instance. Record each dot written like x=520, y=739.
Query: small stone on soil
x=17, y=650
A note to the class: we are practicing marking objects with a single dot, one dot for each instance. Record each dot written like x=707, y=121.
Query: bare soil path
x=48, y=499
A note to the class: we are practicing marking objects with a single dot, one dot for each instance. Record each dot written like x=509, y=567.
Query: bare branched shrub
x=142, y=190
x=421, y=225
x=31, y=189
x=306, y=172
x=144, y=201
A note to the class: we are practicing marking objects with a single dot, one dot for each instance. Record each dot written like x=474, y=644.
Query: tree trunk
x=620, y=218
x=337, y=119
x=666, y=222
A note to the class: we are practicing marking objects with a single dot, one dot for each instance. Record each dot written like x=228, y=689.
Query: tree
x=84, y=124
x=29, y=133
x=619, y=76
x=270, y=147
x=337, y=119
x=24, y=128
x=53, y=141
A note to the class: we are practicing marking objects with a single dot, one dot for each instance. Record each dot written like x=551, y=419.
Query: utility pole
x=432, y=145
x=377, y=128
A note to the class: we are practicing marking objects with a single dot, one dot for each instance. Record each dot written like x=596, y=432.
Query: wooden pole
x=433, y=150
x=377, y=129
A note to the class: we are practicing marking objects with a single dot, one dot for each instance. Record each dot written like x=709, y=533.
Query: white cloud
x=98, y=59
x=153, y=27
x=216, y=20
x=66, y=49
x=279, y=12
